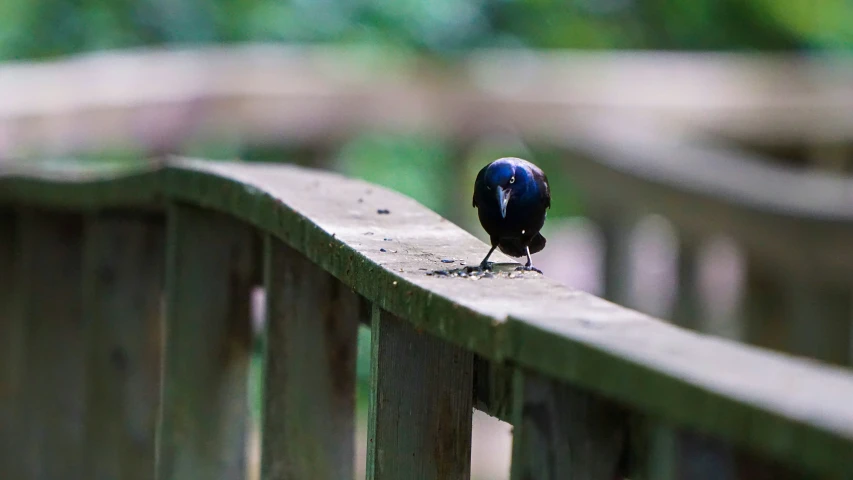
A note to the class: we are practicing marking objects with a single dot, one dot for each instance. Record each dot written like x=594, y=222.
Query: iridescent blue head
x=508, y=177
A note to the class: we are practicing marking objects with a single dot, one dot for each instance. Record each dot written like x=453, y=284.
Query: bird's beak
x=503, y=199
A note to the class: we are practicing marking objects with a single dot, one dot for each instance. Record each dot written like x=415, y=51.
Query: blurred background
x=699, y=151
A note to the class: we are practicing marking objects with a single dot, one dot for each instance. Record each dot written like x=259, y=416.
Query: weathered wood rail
x=638, y=133
x=794, y=227
x=124, y=298
x=155, y=99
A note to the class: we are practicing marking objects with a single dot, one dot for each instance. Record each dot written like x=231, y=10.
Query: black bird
x=512, y=197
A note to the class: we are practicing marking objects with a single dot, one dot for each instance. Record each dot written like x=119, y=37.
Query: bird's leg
x=529, y=265
x=484, y=265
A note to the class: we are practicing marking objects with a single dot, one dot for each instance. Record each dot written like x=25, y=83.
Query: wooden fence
x=158, y=100
x=638, y=133
x=794, y=227
x=117, y=284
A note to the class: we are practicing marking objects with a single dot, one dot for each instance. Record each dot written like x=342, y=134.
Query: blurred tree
x=44, y=28
x=414, y=165
x=823, y=25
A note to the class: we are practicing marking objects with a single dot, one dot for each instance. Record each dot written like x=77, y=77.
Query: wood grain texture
x=561, y=432
x=309, y=387
x=719, y=387
x=11, y=349
x=493, y=388
x=51, y=265
x=202, y=426
x=420, y=405
x=123, y=288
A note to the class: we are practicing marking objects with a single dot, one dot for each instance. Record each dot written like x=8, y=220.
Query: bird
x=512, y=198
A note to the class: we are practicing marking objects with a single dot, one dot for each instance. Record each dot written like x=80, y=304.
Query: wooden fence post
x=420, y=404
x=563, y=433
x=51, y=264
x=617, y=234
x=654, y=451
x=309, y=373
x=204, y=410
x=493, y=388
x=820, y=317
x=123, y=287
x=11, y=350
x=687, y=310
x=764, y=322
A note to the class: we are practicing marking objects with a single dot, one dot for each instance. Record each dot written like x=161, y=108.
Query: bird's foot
x=528, y=268
x=486, y=266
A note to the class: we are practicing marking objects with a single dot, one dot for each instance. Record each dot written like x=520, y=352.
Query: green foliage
x=824, y=25
x=412, y=165
x=43, y=28
x=648, y=24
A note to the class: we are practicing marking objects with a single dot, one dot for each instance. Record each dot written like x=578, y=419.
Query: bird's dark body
x=529, y=199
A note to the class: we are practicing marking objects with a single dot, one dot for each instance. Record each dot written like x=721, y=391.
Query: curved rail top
x=707, y=188
x=787, y=408
x=671, y=159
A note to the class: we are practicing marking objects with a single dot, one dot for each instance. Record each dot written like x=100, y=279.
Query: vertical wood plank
x=662, y=449
x=493, y=384
x=420, y=404
x=652, y=449
x=703, y=458
x=51, y=261
x=309, y=380
x=617, y=233
x=11, y=350
x=687, y=310
x=820, y=318
x=798, y=315
x=204, y=411
x=764, y=308
x=563, y=433
x=123, y=286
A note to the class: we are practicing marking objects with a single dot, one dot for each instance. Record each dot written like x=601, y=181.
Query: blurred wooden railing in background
x=694, y=137
x=591, y=388
x=271, y=93
x=794, y=227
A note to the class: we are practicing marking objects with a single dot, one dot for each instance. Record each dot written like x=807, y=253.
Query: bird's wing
x=546, y=197
x=477, y=182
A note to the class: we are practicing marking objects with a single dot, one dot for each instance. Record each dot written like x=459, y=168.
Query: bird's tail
x=515, y=248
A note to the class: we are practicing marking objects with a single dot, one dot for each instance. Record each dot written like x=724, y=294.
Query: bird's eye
x=512, y=180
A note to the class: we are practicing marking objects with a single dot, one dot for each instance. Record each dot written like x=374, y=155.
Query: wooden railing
x=793, y=226
x=155, y=99
x=592, y=389
x=637, y=134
